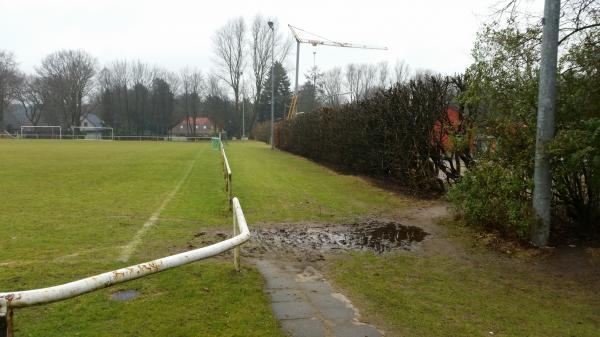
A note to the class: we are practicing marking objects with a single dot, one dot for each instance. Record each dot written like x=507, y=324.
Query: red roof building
x=200, y=127
x=441, y=129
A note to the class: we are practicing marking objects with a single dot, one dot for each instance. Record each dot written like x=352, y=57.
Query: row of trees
x=348, y=84
x=137, y=98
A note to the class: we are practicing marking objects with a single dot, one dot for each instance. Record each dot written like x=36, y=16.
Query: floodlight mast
x=314, y=43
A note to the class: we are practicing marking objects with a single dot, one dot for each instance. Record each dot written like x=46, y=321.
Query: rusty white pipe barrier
x=229, y=190
x=27, y=298
x=228, y=175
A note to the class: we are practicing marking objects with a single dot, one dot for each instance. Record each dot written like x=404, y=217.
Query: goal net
x=93, y=133
x=41, y=132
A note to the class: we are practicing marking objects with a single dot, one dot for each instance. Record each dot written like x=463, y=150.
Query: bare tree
x=229, y=43
x=8, y=82
x=383, y=70
x=121, y=81
x=331, y=87
x=260, y=44
x=213, y=86
x=192, y=86
x=368, y=73
x=401, y=72
x=353, y=81
x=32, y=95
x=68, y=75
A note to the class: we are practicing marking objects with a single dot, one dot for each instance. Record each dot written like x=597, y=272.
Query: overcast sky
x=427, y=34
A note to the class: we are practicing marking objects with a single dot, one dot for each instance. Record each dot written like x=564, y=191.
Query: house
x=92, y=121
x=442, y=129
x=14, y=118
x=204, y=127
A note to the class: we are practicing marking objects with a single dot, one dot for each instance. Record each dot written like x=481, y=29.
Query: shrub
x=575, y=156
x=493, y=197
x=261, y=132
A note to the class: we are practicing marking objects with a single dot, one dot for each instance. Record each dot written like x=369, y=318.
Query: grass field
x=68, y=209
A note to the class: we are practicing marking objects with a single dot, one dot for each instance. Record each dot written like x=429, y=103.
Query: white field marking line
x=137, y=238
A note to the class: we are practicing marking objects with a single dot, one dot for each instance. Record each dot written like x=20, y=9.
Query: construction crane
x=322, y=42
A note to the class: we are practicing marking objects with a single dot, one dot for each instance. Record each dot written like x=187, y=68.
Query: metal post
x=542, y=191
x=230, y=191
x=272, y=83
x=297, y=67
x=243, y=118
x=236, y=250
x=6, y=319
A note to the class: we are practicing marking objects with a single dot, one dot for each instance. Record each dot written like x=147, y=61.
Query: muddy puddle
x=373, y=235
x=124, y=295
x=310, y=242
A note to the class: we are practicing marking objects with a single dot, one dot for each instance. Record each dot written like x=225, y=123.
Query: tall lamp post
x=243, y=117
x=272, y=81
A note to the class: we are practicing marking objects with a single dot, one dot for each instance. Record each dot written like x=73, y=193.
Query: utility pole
x=243, y=116
x=542, y=178
x=272, y=81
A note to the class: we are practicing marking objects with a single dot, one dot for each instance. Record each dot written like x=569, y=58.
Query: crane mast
x=313, y=42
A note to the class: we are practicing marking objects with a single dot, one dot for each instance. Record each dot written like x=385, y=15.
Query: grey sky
x=427, y=34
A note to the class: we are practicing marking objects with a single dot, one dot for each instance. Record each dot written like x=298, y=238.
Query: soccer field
x=72, y=209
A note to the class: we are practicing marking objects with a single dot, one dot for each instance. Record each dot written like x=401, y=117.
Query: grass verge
x=444, y=296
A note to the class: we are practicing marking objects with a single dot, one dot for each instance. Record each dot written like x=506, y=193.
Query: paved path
x=306, y=306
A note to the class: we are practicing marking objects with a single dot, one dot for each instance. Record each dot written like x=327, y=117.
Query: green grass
x=68, y=208
x=275, y=186
x=443, y=296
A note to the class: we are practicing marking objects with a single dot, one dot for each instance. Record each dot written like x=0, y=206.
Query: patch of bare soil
x=416, y=230
x=310, y=242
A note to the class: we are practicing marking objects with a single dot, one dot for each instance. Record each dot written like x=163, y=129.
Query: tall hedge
x=388, y=136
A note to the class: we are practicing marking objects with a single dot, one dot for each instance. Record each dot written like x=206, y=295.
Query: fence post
x=6, y=318
x=236, y=250
x=230, y=192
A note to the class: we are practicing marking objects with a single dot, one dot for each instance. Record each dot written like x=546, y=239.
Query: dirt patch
x=309, y=242
x=373, y=235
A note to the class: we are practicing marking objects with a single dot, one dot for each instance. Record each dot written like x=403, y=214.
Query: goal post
x=41, y=131
x=93, y=133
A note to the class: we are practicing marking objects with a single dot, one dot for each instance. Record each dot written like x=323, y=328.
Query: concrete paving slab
x=304, y=327
x=337, y=314
x=286, y=295
x=305, y=304
x=292, y=310
x=315, y=287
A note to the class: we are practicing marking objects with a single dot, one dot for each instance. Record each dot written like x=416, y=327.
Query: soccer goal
x=41, y=131
x=93, y=133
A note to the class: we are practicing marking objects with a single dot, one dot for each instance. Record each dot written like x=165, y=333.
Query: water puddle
x=124, y=295
x=373, y=235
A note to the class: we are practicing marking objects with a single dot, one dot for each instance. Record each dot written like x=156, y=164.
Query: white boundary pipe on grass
x=20, y=299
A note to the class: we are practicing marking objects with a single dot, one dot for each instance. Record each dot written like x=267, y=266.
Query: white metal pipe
x=228, y=169
x=19, y=299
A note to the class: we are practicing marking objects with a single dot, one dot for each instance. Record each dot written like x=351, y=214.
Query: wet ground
x=310, y=242
x=124, y=295
x=373, y=235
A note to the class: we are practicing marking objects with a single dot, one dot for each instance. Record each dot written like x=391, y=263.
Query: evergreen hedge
x=389, y=136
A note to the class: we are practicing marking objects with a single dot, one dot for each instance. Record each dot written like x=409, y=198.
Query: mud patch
x=124, y=295
x=373, y=235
